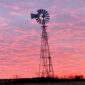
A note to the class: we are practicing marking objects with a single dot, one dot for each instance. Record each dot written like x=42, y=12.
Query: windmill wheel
x=43, y=16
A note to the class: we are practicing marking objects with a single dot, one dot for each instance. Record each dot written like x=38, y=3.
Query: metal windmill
x=45, y=67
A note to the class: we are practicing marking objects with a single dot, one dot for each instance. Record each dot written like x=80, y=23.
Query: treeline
x=40, y=80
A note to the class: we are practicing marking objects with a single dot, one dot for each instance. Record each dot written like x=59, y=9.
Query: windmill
x=45, y=66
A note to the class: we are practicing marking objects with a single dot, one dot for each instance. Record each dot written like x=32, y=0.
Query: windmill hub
x=42, y=16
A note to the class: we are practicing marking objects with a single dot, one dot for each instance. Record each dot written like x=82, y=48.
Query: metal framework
x=45, y=68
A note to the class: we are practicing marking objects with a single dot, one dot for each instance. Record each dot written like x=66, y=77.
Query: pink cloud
x=1, y=17
x=4, y=24
x=15, y=13
x=15, y=7
x=4, y=5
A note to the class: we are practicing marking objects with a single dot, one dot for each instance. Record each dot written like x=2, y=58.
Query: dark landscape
x=78, y=80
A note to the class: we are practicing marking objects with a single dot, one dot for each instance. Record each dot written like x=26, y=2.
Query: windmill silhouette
x=45, y=66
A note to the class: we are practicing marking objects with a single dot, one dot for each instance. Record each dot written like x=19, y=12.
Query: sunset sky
x=20, y=37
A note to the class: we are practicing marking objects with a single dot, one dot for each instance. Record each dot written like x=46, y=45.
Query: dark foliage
x=40, y=80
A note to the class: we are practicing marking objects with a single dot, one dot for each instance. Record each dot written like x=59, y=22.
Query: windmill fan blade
x=45, y=12
x=39, y=11
x=42, y=10
x=38, y=19
x=47, y=17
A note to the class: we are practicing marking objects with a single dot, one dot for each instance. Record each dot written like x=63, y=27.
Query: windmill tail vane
x=34, y=16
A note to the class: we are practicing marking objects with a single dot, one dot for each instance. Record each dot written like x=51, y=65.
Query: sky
x=20, y=37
